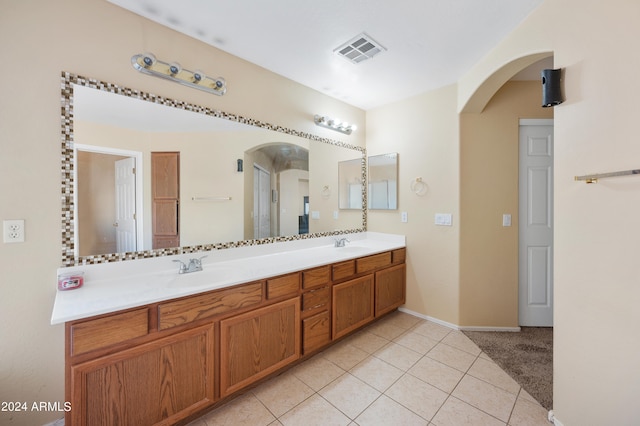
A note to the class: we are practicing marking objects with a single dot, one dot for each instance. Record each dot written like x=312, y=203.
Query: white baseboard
x=457, y=327
x=553, y=419
x=506, y=329
x=428, y=318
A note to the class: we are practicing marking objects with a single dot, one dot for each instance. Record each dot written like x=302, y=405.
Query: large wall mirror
x=146, y=176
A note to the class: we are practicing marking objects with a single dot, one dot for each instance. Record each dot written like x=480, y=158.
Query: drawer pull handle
x=316, y=306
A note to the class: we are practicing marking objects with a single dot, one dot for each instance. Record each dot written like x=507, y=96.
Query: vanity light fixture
x=147, y=63
x=334, y=124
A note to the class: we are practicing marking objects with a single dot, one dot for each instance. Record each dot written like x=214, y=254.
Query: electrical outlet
x=404, y=217
x=13, y=231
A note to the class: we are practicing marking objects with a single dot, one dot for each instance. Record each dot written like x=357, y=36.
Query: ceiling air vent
x=359, y=48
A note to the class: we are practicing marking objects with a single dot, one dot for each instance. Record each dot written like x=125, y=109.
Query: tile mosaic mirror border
x=69, y=257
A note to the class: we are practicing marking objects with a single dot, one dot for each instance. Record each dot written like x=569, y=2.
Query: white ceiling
x=430, y=43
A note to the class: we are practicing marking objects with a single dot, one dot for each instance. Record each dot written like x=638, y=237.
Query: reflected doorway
x=261, y=199
x=108, y=200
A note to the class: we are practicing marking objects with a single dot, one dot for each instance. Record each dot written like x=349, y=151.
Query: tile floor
x=402, y=370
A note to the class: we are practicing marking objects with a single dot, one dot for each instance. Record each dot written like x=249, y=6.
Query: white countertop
x=115, y=286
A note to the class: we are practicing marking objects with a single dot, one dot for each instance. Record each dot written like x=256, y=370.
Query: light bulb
x=174, y=68
x=220, y=83
x=198, y=76
x=148, y=59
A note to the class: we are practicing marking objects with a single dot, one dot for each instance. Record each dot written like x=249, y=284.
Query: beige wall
x=423, y=130
x=596, y=375
x=489, y=189
x=95, y=39
x=597, y=277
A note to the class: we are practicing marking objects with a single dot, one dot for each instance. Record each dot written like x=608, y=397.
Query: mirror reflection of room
x=184, y=201
x=350, y=181
x=383, y=182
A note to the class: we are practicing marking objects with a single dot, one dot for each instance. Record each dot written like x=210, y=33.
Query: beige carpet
x=526, y=356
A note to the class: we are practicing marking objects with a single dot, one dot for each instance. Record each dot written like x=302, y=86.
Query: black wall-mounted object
x=551, y=88
x=240, y=166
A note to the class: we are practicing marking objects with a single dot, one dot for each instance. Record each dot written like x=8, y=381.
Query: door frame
x=267, y=194
x=139, y=178
x=532, y=122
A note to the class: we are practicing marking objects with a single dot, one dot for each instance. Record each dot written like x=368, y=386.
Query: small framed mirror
x=383, y=182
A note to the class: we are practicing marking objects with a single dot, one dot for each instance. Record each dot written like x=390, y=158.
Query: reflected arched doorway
x=276, y=187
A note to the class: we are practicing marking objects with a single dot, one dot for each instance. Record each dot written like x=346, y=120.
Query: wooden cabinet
x=165, y=362
x=157, y=383
x=390, y=289
x=352, y=305
x=258, y=343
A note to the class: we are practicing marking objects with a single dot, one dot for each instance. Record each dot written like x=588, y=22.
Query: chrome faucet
x=340, y=242
x=194, y=265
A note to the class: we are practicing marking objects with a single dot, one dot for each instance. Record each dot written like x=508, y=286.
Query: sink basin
x=353, y=249
x=207, y=276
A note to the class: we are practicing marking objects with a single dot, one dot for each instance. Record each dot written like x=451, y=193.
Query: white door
x=125, y=222
x=261, y=203
x=536, y=224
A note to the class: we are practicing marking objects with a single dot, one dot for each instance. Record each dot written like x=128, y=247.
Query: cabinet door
x=352, y=305
x=316, y=332
x=157, y=383
x=165, y=199
x=257, y=343
x=390, y=289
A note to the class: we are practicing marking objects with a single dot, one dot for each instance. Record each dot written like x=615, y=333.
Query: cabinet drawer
x=287, y=285
x=102, y=332
x=369, y=263
x=316, y=331
x=344, y=270
x=194, y=308
x=315, y=298
x=316, y=277
x=399, y=256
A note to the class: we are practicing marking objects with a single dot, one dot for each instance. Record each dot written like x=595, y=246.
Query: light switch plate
x=443, y=219
x=506, y=220
x=315, y=214
x=404, y=217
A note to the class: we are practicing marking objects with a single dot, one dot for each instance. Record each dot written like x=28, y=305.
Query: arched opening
x=489, y=190
x=495, y=80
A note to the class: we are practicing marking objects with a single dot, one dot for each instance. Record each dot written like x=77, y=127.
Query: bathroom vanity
x=202, y=340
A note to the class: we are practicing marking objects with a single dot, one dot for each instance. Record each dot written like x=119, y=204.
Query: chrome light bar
x=148, y=64
x=333, y=124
